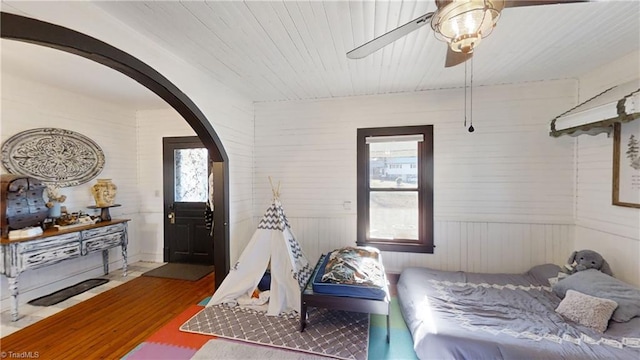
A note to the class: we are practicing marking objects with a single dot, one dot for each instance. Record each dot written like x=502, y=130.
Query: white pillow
x=587, y=310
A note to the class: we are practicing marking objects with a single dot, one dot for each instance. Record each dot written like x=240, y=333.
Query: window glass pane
x=393, y=215
x=393, y=164
x=191, y=178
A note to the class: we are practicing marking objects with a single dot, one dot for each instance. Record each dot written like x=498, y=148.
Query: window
x=395, y=202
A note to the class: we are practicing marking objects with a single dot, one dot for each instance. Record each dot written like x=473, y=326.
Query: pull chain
x=465, y=94
x=471, y=129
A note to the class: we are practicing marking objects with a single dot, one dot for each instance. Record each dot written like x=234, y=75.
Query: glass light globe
x=464, y=23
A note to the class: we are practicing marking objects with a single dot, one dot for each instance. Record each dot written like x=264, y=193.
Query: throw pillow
x=554, y=280
x=542, y=273
x=587, y=310
x=595, y=283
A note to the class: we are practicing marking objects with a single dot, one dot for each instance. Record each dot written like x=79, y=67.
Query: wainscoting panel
x=460, y=245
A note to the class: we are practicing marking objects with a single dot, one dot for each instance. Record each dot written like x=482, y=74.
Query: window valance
x=618, y=104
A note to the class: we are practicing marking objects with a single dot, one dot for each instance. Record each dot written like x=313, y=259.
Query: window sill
x=398, y=247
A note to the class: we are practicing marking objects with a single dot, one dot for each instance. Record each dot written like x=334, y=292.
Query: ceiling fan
x=460, y=23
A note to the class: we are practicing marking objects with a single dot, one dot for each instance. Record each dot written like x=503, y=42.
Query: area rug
x=231, y=349
x=64, y=294
x=172, y=344
x=191, y=272
x=332, y=333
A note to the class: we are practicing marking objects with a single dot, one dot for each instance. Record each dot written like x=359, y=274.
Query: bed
x=502, y=316
x=350, y=279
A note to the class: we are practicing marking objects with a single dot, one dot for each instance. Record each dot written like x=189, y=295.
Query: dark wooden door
x=186, y=168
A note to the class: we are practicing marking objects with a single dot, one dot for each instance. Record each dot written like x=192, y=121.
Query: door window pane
x=393, y=164
x=191, y=175
x=393, y=215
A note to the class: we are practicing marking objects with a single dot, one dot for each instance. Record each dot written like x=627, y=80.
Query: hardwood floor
x=110, y=324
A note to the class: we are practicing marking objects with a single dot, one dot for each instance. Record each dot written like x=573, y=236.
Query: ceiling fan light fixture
x=463, y=23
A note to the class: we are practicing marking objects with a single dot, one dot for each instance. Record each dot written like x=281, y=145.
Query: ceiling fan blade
x=454, y=58
x=389, y=37
x=518, y=3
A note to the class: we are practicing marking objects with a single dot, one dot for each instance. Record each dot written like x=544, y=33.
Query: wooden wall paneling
x=27, y=104
x=471, y=247
x=536, y=237
x=548, y=238
x=613, y=231
x=468, y=246
x=322, y=132
x=486, y=256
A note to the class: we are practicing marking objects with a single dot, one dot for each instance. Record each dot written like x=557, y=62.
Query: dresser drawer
x=102, y=243
x=48, y=256
x=50, y=242
x=102, y=231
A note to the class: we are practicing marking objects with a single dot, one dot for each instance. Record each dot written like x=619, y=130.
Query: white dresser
x=54, y=246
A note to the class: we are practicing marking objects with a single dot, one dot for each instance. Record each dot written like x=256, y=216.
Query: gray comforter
x=457, y=315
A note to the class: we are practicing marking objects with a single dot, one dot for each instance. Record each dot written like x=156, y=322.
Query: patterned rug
x=338, y=334
x=231, y=349
x=172, y=344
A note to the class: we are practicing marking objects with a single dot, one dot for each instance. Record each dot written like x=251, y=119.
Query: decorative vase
x=104, y=192
x=55, y=211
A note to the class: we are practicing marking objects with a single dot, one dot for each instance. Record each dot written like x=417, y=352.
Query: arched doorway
x=20, y=28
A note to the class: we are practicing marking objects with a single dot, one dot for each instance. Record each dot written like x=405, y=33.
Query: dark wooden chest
x=21, y=203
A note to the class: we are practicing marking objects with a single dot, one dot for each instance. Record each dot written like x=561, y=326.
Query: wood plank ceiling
x=292, y=50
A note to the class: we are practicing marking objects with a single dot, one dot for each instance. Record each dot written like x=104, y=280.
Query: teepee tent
x=273, y=241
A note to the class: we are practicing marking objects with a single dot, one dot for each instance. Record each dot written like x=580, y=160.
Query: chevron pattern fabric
x=274, y=218
x=302, y=268
x=303, y=274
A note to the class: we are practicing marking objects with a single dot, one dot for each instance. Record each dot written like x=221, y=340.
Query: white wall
x=27, y=105
x=153, y=125
x=234, y=122
x=230, y=114
x=132, y=143
x=505, y=192
x=613, y=231
x=503, y=196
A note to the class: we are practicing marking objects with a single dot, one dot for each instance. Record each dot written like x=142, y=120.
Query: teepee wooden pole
x=274, y=191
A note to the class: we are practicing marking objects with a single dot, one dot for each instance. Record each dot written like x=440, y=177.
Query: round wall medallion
x=59, y=156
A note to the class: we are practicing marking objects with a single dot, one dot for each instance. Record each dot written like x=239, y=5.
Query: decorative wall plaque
x=626, y=164
x=59, y=156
